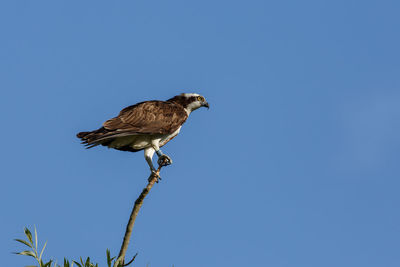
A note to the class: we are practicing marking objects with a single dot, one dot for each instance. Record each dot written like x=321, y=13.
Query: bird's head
x=190, y=101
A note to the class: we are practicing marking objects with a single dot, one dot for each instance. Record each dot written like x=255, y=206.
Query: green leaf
x=41, y=253
x=27, y=253
x=28, y=235
x=77, y=263
x=108, y=258
x=23, y=242
x=36, y=239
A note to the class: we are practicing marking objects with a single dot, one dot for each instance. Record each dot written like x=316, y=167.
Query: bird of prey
x=146, y=126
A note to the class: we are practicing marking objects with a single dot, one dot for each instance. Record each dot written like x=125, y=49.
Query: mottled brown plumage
x=149, y=117
x=146, y=126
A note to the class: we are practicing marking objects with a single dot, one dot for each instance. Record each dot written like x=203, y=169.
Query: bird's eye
x=199, y=98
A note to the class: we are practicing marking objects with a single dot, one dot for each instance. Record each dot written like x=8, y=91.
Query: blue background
x=295, y=164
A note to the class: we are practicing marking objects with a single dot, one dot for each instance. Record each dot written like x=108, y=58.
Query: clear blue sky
x=295, y=164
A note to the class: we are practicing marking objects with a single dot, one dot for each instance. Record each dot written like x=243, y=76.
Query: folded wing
x=150, y=117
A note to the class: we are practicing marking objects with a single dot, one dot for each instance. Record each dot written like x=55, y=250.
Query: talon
x=155, y=174
x=164, y=160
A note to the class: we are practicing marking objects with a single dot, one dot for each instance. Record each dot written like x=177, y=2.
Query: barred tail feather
x=101, y=136
x=93, y=138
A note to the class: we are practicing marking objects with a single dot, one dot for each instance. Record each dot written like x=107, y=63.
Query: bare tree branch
x=138, y=204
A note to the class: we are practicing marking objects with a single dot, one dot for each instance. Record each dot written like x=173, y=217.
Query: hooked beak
x=205, y=104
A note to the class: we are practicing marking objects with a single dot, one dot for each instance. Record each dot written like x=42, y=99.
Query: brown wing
x=150, y=117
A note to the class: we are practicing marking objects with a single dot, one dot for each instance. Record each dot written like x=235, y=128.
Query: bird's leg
x=163, y=160
x=148, y=155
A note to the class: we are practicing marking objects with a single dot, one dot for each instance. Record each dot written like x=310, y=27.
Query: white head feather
x=194, y=105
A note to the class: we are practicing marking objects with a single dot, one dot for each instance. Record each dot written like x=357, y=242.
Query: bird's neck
x=183, y=102
x=191, y=107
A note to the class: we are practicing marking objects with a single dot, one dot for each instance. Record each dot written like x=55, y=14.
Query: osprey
x=146, y=126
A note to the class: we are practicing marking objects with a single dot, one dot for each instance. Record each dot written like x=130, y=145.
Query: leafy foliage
x=32, y=244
